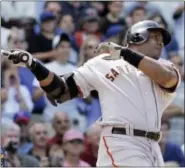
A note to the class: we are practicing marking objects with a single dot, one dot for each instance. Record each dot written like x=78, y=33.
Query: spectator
x=55, y=7
x=114, y=33
x=87, y=49
x=61, y=124
x=113, y=16
x=92, y=145
x=150, y=7
x=16, y=39
x=18, y=98
x=178, y=17
x=10, y=136
x=73, y=145
x=173, y=46
x=99, y=6
x=67, y=24
x=12, y=11
x=42, y=46
x=137, y=13
x=40, y=150
x=4, y=39
x=171, y=152
x=22, y=119
x=89, y=26
x=74, y=8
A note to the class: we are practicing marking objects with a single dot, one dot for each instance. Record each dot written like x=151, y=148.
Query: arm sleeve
x=174, y=88
x=84, y=80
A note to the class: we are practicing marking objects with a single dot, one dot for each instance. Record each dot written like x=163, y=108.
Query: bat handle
x=5, y=53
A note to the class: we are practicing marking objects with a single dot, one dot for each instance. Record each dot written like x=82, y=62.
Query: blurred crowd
x=63, y=35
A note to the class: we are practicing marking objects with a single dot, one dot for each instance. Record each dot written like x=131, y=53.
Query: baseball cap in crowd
x=89, y=14
x=73, y=134
x=46, y=16
x=22, y=117
x=112, y=31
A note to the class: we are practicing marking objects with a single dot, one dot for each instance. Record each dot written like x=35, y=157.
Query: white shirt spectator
x=4, y=38
x=17, y=9
x=11, y=106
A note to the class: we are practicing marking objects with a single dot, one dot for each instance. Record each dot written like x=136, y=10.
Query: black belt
x=150, y=135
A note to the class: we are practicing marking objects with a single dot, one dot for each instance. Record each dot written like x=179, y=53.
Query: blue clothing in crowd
x=173, y=152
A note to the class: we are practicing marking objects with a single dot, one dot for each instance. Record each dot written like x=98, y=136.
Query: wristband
x=131, y=57
x=38, y=70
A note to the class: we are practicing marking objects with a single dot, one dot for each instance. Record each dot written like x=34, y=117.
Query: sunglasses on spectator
x=76, y=141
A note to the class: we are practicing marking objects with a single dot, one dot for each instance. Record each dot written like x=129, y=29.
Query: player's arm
x=165, y=75
x=57, y=88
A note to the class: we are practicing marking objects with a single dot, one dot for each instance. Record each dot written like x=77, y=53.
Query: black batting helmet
x=139, y=32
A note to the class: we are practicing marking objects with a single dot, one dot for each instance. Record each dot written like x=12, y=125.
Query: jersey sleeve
x=84, y=78
x=166, y=96
x=174, y=88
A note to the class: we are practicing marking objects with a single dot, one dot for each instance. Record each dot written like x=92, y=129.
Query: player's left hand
x=109, y=47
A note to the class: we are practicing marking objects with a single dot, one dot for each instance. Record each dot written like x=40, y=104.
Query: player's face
x=153, y=46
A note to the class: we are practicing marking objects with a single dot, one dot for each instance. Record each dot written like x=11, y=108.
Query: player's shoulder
x=98, y=58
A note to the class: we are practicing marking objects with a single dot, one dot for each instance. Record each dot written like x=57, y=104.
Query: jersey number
x=112, y=75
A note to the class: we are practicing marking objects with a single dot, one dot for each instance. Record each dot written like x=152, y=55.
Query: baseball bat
x=23, y=58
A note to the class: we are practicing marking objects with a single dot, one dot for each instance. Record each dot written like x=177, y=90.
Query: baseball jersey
x=127, y=95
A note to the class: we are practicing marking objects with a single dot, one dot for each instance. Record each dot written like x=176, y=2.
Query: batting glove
x=109, y=47
x=20, y=56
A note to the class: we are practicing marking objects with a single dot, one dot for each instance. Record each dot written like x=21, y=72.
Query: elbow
x=170, y=80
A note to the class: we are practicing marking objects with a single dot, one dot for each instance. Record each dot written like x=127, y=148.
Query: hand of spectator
x=109, y=47
x=44, y=162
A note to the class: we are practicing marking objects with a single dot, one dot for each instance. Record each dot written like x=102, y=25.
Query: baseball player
x=134, y=87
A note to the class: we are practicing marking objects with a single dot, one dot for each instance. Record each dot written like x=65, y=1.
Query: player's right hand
x=20, y=56
x=109, y=47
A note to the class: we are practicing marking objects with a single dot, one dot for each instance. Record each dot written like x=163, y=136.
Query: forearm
x=37, y=94
x=44, y=55
x=162, y=74
x=49, y=82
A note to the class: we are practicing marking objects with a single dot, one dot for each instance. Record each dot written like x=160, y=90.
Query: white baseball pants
x=124, y=150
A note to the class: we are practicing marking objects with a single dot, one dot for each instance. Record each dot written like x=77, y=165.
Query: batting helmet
x=139, y=32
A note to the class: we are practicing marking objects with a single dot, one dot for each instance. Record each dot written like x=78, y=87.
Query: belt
x=150, y=135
